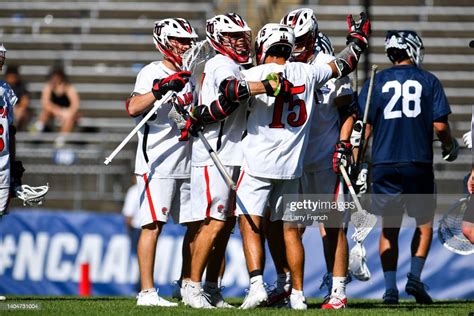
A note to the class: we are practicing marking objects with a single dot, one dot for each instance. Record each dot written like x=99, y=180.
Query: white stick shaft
x=351, y=189
x=124, y=142
x=217, y=162
x=369, y=93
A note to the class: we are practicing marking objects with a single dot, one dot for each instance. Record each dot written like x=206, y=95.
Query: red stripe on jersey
x=148, y=196
x=208, y=192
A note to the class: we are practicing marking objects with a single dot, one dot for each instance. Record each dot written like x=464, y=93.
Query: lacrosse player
x=162, y=162
x=275, y=145
x=468, y=220
x=224, y=96
x=407, y=104
x=11, y=171
x=331, y=127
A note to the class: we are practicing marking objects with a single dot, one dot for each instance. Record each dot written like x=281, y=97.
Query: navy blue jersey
x=405, y=102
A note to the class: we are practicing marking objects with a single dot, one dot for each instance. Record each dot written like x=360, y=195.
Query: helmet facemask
x=303, y=50
x=237, y=45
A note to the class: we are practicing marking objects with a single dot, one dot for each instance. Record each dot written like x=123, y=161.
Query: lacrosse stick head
x=198, y=53
x=32, y=196
x=450, y=229
x=363, y=223
x=3, y=55
x=176, y=116
x=358, y=263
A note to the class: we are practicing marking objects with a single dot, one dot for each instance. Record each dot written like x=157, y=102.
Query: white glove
x=361, y=182
x=467, y=138
x=356, y=133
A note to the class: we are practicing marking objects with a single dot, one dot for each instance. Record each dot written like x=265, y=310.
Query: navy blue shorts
x=403, y=187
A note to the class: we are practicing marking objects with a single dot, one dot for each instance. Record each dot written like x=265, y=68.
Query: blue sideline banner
x=41, y=253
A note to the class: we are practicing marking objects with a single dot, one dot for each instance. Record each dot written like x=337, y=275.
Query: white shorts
x=211, y=197
x=160, y=198
x=254, y=194
x=325, y=183
x=4, y=200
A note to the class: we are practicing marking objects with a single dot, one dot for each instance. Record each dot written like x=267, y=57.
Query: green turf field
x=69, y=305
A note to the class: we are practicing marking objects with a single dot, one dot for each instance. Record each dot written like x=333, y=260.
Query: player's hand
x=467, y=138
x=359, y=31
x=450, y=152
x=361, y=182
x=342, y=155
x=193, y=125
x=356, y=133
x=175, y=82
x=280, y=86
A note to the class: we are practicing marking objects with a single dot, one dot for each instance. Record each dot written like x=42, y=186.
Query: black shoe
x=418, y=289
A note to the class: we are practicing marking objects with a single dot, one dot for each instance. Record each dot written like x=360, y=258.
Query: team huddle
x=285, y=126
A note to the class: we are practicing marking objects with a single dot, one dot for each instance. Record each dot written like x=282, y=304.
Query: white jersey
x=325, y=123
x=276, y=130
x=224, y=136
x=8, y=100
x=159, y=151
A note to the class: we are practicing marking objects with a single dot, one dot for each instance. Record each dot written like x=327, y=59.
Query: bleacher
x=103, y=45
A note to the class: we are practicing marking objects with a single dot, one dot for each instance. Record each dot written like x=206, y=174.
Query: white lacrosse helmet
x=3, y=55
x=323, y=44
x=172, y=28
x=236, y=46
x=304, y=23
x=276, y=37
x=407, y=41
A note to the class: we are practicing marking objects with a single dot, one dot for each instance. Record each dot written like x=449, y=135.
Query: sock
x=219, y=282
x=256, y=280
x=338, y=287
x=390, y=280
x=196, y=286
x=148, y=291
x=297, y=293
x=210, y=287
x=255, y=273
x=417, y=264
x=281, y=280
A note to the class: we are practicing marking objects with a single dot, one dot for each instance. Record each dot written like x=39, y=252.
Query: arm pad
x=217, y=111
x=346, y=61
x=234, y=90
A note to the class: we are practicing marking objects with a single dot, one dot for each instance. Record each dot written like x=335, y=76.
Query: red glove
x=175, y=82
x=342, y=155
x=359, y=31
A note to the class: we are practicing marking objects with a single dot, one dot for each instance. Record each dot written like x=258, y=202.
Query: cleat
x=277, y=296
x=418, y=289
x=216, y=299
x=255, y=297
x=335, y=303
x=151, y=298
x=177, y=290
x=195, y=297
x=298, y=302
x=390, y=297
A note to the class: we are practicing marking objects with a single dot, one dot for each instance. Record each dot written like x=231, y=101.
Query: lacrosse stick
x=361, y=151
x=197, y=54
x=358, y=262
x=32, y=196
x=362, y=220
x=450, y=232
x=180, y=116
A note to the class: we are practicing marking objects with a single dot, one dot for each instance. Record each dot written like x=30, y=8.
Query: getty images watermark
x=309, y=209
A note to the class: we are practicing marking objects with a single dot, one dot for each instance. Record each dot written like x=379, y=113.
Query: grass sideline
x=71, y=305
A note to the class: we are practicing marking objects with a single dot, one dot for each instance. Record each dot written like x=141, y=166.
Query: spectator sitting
x=22, y=112
x=59, y=100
